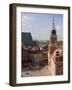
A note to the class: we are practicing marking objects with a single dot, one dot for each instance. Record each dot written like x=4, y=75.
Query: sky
x=40, y=25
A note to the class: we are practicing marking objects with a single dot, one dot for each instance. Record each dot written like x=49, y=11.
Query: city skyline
x=40, y=25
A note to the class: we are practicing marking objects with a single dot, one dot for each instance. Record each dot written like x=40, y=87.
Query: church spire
x=53, y=25
x=53, y=28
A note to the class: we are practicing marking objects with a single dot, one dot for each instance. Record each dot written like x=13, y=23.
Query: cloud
x=41, y=34
x=26, y=22
x=59, y=30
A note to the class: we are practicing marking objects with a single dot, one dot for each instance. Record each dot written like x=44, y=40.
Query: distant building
x=29, y=48
x=55, y=55
x=27, y=43
x=27, y=39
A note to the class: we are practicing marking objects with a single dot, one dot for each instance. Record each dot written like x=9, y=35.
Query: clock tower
x=55, y=54
x=53, y=40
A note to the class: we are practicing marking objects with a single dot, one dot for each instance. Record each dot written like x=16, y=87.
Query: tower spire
x=53, y=24
x=53, y=28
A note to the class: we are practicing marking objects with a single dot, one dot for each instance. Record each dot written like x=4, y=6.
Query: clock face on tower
x=53, y=39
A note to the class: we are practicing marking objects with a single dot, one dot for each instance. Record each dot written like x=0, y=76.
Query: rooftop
x=27, y=38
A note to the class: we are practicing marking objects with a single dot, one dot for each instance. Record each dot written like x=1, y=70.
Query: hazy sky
x=40, y=25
